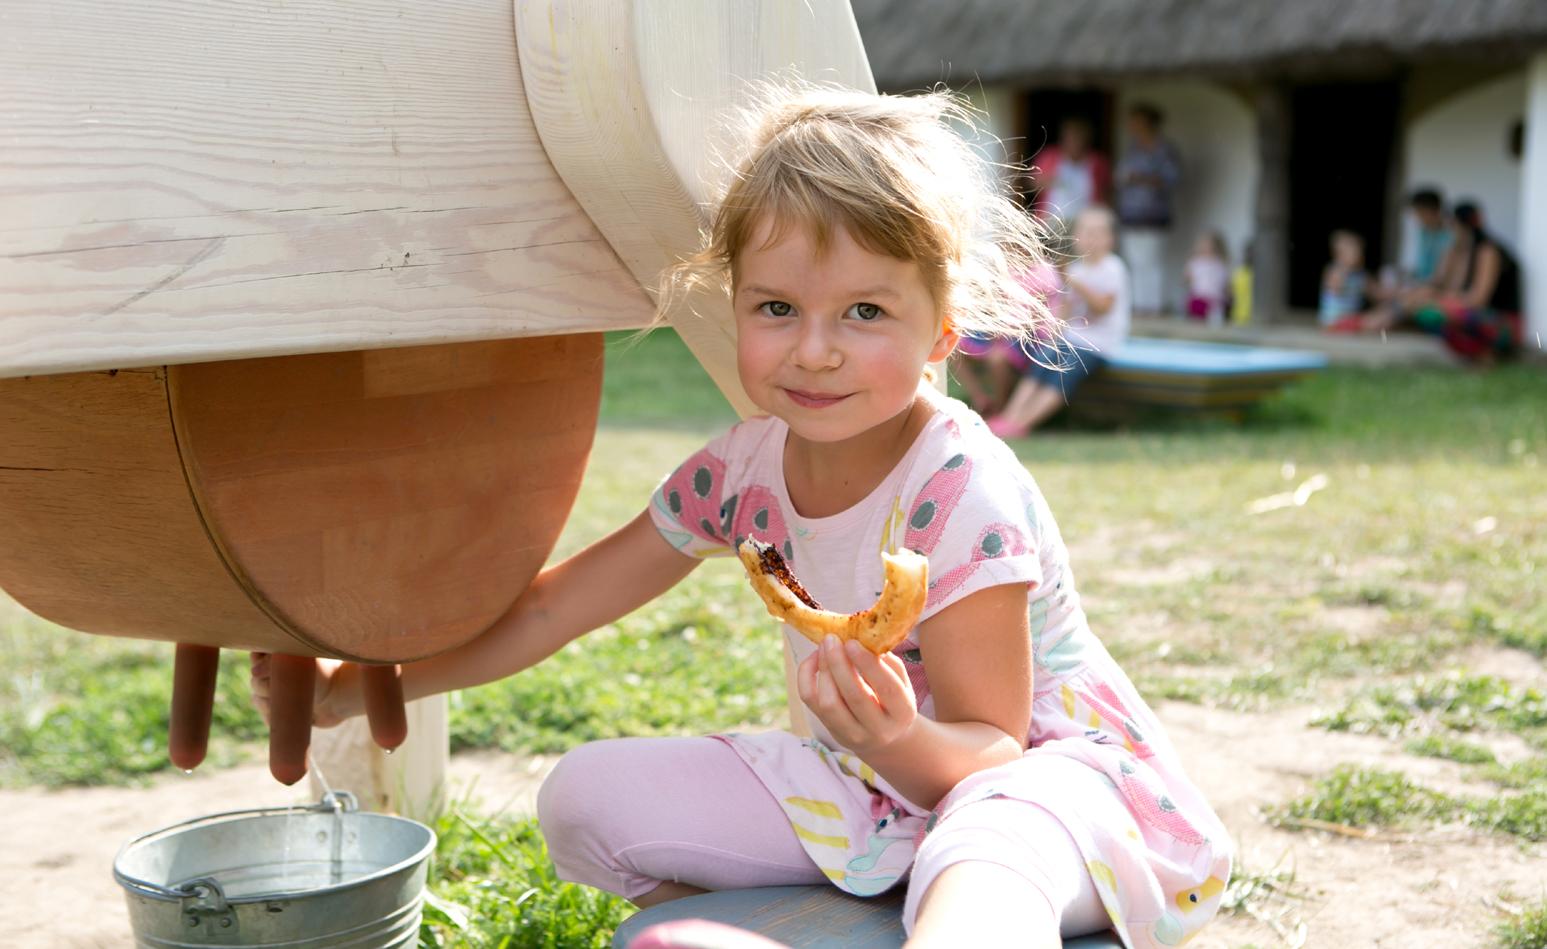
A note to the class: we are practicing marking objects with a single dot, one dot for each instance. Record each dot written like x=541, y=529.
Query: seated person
x=1481, y=320
x=1343, y=281
x=1096, y=319
x=988, y=367
x=1436, y=267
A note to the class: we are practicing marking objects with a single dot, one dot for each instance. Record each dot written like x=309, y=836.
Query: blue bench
x=1218, y=378
x=805, y=917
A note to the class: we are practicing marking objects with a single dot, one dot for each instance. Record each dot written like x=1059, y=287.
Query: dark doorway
x=1046, y=108
x=1340, y=147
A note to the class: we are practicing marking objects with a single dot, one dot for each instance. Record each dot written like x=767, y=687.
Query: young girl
x=1097, y=320
x=1343, y=280
x=997, y=763
x=1208, y=279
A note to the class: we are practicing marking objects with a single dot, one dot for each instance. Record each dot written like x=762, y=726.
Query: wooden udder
x=378, y=506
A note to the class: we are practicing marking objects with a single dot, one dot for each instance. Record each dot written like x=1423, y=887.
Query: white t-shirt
x=1103, y=334
x=1208, y=278
x=1072, y=188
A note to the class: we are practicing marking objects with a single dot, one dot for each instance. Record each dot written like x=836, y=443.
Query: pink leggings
x=626, y=814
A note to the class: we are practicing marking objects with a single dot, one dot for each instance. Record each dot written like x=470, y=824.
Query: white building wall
x=1461, y=145
x=997, y=125
x=1214, y=132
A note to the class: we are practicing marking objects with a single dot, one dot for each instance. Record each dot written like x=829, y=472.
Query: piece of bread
x=879, y=629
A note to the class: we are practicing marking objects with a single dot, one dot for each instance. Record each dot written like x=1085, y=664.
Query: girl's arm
x=605, y=582
x=978, y=653
x=1098, y=302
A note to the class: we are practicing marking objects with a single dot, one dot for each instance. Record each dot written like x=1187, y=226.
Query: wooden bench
x=1202, y=378
x=804, y=917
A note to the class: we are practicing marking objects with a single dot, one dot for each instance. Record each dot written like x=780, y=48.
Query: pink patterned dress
x=1098, y=760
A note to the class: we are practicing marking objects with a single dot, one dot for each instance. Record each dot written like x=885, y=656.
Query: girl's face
x=1092, y=236
x=834, y=344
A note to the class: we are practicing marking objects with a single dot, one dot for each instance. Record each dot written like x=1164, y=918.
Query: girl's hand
x=330, y=704
x=866, y=701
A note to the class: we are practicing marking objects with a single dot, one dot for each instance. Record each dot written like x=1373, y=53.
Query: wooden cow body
x=300, y=302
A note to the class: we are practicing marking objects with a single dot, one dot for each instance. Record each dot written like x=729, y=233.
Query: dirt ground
x=1416, y=891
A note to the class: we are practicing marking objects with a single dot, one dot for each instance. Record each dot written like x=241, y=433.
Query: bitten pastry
x=879, y=629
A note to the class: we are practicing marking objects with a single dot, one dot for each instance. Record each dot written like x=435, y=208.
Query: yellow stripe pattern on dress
x=893, y=521
x=819, y=808
x=826, y=840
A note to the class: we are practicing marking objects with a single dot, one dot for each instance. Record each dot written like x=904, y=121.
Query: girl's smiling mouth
x=813, y=400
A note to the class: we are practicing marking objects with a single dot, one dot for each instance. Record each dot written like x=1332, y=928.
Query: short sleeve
x=976, y=522
x=688, y=507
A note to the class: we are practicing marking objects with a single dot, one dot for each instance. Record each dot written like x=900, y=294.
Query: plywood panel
x=387, y=505
x=190, y=180
x=100, y=530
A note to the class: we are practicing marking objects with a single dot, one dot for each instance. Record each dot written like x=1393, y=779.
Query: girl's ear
x=946, y=344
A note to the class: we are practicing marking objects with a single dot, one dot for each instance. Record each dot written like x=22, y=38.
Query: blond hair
x=894, y=174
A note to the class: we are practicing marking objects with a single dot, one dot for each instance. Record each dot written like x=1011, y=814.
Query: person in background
x=988, y=367
x=1208, y=279
x=1344, y=281
x=1096, y=325
x=1431, y=247
x=1437, y=267
x=1481, y=321
x=1070, y=175
x=1241, y=289
x=1146, y=178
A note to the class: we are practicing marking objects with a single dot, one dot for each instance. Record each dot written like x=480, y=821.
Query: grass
x=493, y=887
x=1371, y=797
x=1428, y=541
x=1527, y=930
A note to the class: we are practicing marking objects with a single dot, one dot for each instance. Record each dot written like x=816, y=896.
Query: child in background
x=1208, y=279
x=1343, y=282
x=998, y=760
x=988, y=368
x=1097, y=315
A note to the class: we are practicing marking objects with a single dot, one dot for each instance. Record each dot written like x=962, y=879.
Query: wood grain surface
x=192, y=180
x=101, y=533
x=387, y=505
x=634, y=100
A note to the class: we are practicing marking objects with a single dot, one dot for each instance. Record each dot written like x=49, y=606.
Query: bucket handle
x=213, y=898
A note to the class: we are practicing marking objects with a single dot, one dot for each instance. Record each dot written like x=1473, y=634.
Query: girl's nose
x=816, y=348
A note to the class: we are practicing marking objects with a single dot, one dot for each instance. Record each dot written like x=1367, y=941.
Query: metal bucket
x=325, y=875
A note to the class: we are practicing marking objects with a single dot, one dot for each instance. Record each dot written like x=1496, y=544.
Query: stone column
x=1270, y=229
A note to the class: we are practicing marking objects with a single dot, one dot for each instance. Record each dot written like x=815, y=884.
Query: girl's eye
x=865, y=312
x=777, y=308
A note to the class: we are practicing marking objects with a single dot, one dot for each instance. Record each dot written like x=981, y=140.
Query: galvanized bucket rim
x=331, y=802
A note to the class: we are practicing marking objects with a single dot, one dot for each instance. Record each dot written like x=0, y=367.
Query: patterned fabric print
x=913, y=664
x=1109, y=722
x=690, y=498
x=935, y=503
x=995, y=541
x=1151, y=804
x=757, y=515
x=861, y=838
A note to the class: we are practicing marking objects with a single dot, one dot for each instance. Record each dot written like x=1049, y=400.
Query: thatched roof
x=916, y=42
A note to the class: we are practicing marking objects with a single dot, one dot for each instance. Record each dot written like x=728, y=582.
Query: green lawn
x=1429, y=537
